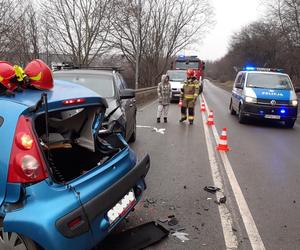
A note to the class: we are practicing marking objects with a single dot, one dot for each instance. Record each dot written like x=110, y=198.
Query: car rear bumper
x=258, y=111
x=99, y=205
x=47, y=212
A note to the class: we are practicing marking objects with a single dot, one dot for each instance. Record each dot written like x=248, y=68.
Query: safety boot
x=158, y=120
x=191, y=122
x=182, y=119
x=165, y=119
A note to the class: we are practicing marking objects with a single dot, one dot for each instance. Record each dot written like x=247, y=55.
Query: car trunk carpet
x=135, y=238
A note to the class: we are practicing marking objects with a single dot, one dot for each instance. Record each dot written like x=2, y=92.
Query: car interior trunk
x=73, y=145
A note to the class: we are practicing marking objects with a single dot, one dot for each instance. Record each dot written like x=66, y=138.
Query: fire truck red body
x=190, y=62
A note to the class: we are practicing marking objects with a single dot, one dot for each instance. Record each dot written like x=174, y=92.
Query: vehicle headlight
x=294, y=102
x=250, y=99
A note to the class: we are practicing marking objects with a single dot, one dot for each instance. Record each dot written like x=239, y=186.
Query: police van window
x=1, y=121
x=238, y=80
x=268, y=81
x=243, y=79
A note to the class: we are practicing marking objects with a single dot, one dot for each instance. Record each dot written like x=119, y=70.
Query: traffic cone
x=223, y=141
x=210, y=120
x=180, y=103
x=202, y=109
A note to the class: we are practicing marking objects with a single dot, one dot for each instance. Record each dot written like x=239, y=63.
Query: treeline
x=272, y=42
x=92, y=32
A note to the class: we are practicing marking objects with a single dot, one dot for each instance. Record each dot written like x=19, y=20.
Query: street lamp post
x=138, y=46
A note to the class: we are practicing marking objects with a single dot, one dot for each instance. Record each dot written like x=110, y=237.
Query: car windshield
x=187, y=65
x=101, y=84
x=179, y=76
x=268, y=81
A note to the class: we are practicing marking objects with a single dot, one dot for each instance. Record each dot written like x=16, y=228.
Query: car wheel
x=133, y=135
x=289, y=123
x=9, y=240
x=242, y=118
x=232, y=111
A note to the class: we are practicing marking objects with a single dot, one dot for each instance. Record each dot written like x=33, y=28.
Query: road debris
x=223, y=199
x=181, y=236
x=163, y=220
x=211, y=189
x=173, y=222
x=136, y=238
x=172, y=208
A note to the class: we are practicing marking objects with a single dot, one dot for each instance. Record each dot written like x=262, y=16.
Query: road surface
x=260, y=177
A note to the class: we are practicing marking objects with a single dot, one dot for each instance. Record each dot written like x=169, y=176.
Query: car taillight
x=26, y=164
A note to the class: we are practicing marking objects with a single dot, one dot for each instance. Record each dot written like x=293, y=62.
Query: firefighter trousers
x=188, y=105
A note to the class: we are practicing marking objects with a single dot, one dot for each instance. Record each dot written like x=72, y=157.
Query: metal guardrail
x=144, y=90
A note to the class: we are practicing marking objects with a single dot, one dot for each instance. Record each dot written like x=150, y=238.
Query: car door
x=128, y=107
x=237, y=91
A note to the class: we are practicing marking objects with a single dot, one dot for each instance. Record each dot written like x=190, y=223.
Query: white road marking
x=225, y=215
x=181, y=235
x=157, y=130
x=252, y=231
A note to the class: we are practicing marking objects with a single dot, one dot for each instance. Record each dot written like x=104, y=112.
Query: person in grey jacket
x=164, y=96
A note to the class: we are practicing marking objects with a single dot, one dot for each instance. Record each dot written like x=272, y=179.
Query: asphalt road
x=260, y=177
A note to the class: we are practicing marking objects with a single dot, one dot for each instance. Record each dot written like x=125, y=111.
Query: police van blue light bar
x=251, y=68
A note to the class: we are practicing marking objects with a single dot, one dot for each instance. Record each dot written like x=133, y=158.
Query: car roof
x=85, y=71
x=62, y=90
x=263, y=72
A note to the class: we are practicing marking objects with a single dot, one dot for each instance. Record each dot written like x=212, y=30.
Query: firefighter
x=189, y=94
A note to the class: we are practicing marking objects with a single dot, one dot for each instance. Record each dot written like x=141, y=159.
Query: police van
x=264, y=93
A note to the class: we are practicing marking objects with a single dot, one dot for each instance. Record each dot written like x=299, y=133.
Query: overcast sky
x=230, y=16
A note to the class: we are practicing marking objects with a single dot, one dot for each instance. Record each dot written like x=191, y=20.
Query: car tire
x=133, y=135
x=241, y=117
x=289, y=123
x=232, y=111
x=11, y=240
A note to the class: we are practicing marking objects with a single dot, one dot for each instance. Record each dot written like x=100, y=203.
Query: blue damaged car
x=65, y=181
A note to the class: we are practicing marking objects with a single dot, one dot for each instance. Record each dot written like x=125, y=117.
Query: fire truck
x=189, y=62
x=182, y=63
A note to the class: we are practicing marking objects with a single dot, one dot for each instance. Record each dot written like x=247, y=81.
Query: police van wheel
x=232, y=111
x=289, y=123
x=242, y=118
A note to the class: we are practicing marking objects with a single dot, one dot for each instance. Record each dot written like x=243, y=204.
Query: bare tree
x=167, y=26
x=77, y=27
x=19, y=40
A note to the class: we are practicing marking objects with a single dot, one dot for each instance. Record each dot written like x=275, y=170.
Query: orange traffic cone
x=210, y=120
x=223, y=141
x=202, y=109
x=180, y=103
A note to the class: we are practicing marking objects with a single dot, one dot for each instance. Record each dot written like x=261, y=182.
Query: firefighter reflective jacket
x=190, y=90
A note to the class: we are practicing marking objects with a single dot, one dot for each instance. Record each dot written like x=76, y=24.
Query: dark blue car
x=65, y=181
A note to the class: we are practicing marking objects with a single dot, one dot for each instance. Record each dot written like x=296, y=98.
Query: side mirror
x=127, y=93
x=297, y=89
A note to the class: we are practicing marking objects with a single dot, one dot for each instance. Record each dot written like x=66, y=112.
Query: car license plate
x=122, y=207
x=277, y=117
